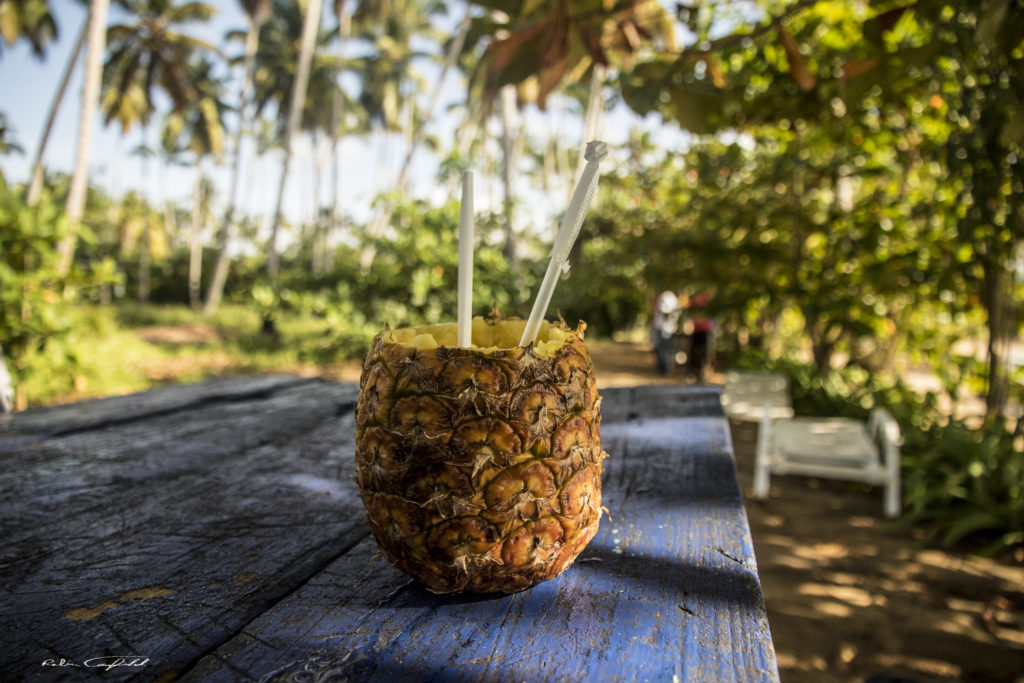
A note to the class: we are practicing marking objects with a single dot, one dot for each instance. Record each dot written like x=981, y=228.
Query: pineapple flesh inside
x=480, y=468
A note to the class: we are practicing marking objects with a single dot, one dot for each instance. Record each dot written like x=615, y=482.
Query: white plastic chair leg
x=761, y=473
x=892, y=487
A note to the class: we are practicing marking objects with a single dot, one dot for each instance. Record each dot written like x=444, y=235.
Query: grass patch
x=115, y=350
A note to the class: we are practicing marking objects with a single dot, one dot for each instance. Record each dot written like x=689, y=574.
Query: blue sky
x=368, y=166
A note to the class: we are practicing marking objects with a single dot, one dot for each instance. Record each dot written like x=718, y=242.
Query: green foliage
x=132, y=347
x=966, y=483
x=414, y=279
x=38, y=318
x=199, y=127
x=873, y=165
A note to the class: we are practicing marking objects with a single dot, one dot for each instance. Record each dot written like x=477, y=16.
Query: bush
x=414, y=278
x=966, y=485
x=38, y=316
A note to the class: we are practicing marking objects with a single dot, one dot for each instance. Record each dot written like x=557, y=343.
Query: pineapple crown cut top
x=489, y=335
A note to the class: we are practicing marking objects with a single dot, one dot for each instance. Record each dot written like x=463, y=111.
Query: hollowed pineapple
x=480, y=468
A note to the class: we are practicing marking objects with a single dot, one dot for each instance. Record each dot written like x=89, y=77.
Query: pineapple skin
x=480, y=470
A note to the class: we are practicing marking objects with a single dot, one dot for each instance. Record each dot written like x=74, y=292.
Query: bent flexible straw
x=570, y=228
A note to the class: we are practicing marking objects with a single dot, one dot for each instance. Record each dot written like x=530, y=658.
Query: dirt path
x=851, y=596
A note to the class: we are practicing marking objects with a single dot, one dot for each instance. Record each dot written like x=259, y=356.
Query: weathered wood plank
x=674, y=400
x=616, y=404
x=210, y=524
x=73, y=417
x=668, y=590
x=162, y=537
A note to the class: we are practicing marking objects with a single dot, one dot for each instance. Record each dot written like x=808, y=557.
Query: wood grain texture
x=620, y=404
x=668, y=590
x=163, y=536
x=669, y=400
x=119, y=409
x=214, y=530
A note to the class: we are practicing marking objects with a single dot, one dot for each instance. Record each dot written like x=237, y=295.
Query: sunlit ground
x=851, y=596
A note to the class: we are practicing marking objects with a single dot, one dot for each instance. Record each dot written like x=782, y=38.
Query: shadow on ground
x=851, y=596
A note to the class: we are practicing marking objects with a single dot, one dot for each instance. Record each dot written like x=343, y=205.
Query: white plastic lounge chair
x=836, y=448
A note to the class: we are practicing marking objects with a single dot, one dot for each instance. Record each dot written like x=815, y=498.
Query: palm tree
x=199, y=130
x=276, y=78
x=256, y=11
x=310, y=27
x=451, y=57
x=147, y=53
x=35, y=186
x=34, y=21
x=392, y=26
x=343, y=15
x=389, y=27
x=30, y=20
x=146, y=154
x=142, y=228
x=90, y=101
x=511, y=151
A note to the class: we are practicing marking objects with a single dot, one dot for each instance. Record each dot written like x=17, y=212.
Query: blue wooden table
x=211, y=532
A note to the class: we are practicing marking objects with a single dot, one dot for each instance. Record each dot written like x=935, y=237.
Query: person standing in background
x=664, y=324
x=700, y=330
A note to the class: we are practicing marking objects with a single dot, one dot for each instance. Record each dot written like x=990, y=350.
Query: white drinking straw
x=465, y=317
x=570, y=228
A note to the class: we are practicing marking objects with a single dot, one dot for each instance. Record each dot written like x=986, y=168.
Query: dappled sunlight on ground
x=851, y=595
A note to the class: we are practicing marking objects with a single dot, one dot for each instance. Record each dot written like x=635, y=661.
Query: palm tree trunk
x=145, y=239
x=344, y=31
x=170, y=223
x=220, y=270
x=310, y=25
x=195, y=249
x=316, y=256
x=75, y=206
x=454, y=50
x=35, y=186
x=548, y=166
x=468, y=130
x=145, y=262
